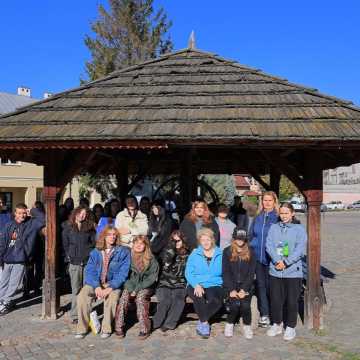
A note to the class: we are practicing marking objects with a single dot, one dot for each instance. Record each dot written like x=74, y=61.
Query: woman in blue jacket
x=105, y=273
x=268, y=215
x=204, y=275
x=286, y=244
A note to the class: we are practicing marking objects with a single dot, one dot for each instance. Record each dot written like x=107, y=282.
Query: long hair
x=184, y=247
x=101, y=243
x=153, y=222
x=244, y=254
x=275, y=198
x=87, y=225
x=207, y=218
x=147, y=255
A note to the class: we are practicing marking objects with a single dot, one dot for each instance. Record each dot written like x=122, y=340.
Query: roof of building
x=241, y=181
x=187, y=95
x=12, y=102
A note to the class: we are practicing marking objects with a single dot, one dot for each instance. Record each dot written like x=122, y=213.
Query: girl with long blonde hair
x=268, y=214
x=139, y=287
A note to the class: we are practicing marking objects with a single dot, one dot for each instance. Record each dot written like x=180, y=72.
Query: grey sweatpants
x=11, y=279
x=76, y=273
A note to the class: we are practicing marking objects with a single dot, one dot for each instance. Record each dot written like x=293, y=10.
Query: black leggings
x=285, y=294
x=209, y=304
x=240, y=308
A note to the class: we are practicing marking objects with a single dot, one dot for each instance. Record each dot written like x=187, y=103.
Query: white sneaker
x=105, y=335
x=80, y=336
x=248, y=333
x=275, y=330
x=289, y=334
x=229, y=330
x=264, y=321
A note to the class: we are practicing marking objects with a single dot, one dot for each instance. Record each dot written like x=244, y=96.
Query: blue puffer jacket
x=295, y=236
x=198, y=272
x=20, y=251
x=258, y=234
x=118, y=271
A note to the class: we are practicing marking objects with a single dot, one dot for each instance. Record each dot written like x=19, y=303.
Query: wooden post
x=314, y=298
x=51, y=297
x=275, y=178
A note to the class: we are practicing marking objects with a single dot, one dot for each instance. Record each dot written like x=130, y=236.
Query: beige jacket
x=137, y=227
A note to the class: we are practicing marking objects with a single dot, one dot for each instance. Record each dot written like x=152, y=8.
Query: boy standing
x=17, y=239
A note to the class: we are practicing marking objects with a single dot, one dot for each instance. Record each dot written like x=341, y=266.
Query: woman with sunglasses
x=171, y=291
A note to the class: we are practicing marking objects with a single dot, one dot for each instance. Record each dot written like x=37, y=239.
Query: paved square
x=23, y=335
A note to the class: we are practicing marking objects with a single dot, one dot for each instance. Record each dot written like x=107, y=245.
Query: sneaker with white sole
x=79, y=336
x=105, y=335
x=274, y=330
x=289, y=334
x=229, y=330
x=248, y=333
x=264, y=322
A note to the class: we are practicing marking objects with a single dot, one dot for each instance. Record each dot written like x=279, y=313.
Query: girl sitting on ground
x=204, y=275
x=171, y=291
x=285, y=244
x=238, y=266
x=139, y=287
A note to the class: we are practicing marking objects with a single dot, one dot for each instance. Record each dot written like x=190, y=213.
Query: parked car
x=335, y=205
x=354, y=205
x=323, y=208
x=298, y=205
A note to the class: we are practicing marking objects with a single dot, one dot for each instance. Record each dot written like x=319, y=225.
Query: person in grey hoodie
x=285, y=245
x=226, y=226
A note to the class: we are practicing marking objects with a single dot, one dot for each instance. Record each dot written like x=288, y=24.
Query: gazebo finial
x=192, y=44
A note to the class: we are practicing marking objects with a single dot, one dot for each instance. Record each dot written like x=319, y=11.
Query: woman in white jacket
x=131, y=221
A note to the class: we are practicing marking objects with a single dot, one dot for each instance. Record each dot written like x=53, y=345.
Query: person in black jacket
x=160, y=227
x=171, y=290
x=199, y=217
x=78, y=239
x=238, y=266
x=17, y=240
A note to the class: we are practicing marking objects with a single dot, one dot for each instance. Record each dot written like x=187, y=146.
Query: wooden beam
x=51, y=193
x=275, y=178
x=313, y=191
x=283, y=166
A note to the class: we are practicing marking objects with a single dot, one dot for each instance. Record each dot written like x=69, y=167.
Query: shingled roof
x=187, y=95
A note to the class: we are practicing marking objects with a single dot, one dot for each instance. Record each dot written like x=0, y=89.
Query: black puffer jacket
x=77, y=244
x=188, y=228
x=238, y=274
x=173, y=270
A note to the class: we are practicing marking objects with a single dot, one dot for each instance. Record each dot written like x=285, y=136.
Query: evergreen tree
x=130, y=31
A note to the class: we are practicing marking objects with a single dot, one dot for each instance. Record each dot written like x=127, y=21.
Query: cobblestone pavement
x=23, y=335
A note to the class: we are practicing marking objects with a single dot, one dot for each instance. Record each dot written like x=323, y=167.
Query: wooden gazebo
x=187, y=113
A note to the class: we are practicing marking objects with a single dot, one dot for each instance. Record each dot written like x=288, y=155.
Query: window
x=7, y=200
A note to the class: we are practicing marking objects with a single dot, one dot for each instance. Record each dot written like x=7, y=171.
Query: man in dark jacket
x=17, y=240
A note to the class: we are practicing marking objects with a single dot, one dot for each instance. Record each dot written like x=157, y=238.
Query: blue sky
x=311, y=42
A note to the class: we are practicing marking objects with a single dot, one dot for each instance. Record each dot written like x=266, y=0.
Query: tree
x=224, y=185
x=130, y=31
x=287, y=188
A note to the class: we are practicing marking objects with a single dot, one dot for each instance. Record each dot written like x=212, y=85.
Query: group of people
x=131, y=255
x=122, y=256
